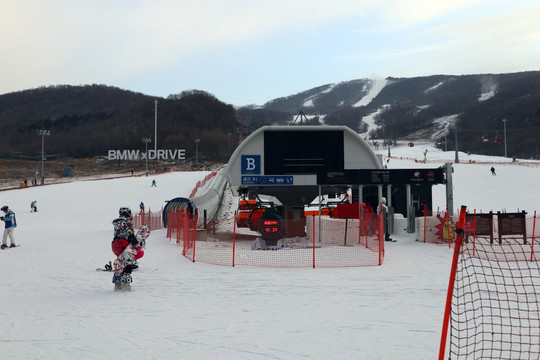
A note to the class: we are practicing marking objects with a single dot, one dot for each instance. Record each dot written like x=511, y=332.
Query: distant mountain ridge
x=429, y=108
x=89, y=120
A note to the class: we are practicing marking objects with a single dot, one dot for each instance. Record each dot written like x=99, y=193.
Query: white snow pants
x=8, y=232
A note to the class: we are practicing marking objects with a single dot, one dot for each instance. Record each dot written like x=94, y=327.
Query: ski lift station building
x=298, y=163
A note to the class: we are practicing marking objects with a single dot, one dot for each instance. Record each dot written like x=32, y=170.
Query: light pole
x=146, y=141
x=197, y=152
x=155, y=126
x=505, y=153
x=43, y=133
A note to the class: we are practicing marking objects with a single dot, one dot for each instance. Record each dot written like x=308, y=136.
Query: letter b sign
x=251, y=164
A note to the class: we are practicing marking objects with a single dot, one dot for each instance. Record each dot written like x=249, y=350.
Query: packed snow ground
x=55, y=305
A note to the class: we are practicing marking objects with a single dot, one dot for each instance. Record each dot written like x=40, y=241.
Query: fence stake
x=234, y=239
x=532, y=236
x=446, y=319
x=314, y=238
x=359, y=227
x=474, y=232
x=194, y=221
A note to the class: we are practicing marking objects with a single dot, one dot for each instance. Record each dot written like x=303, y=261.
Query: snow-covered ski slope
x=55, y=305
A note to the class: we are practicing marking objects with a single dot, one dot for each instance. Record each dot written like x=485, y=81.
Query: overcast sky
x=252, y=51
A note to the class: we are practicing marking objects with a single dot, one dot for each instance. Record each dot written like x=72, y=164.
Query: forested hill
x=89, y=120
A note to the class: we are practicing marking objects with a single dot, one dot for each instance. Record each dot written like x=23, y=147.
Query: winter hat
x=4, y=208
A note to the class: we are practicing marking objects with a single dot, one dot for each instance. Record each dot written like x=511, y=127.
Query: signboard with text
x=383, y=176
x=267, y=180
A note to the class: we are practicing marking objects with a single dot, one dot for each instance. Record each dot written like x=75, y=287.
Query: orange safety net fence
x=305, y=242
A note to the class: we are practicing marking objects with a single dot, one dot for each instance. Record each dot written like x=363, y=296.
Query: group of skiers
x=128, y=247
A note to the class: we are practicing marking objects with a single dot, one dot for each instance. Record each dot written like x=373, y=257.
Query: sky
x=250, y=52
x=56, y=306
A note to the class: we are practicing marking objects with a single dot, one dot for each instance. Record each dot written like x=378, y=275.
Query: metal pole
x=146, y=141
x=505, y=153
x=449, y=189
x=155, y=127
x=42, y=133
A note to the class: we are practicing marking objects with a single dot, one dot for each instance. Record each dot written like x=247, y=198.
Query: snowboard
x=107, y=267
x=9, y=247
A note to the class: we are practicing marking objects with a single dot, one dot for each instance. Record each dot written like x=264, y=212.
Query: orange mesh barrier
x=201, y=183
x=154, y=220
x=496, y=300
x=306, y=242
x=181, y=229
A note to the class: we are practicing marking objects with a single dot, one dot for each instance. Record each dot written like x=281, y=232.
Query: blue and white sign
x=267, y=180
x=251, y=164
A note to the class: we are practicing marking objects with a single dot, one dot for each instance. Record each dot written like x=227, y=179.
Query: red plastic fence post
x=186, y=243
x=451, y=283
x=180, y=227
x=169, y=227
x=314, y=240
x=234, y=239
x=532, y=236
x=185, y=227
x=194, y=237
x=474, y=232
x=359, y=226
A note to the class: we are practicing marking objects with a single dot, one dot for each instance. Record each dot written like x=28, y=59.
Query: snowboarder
x=154, y=182
x=141, y=207
x=10, y=225
x=493, y=171
x=33, y=206
x=124, y=247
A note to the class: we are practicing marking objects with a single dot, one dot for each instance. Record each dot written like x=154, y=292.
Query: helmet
x=124, y=212
x=4, y=208
x=383, y=200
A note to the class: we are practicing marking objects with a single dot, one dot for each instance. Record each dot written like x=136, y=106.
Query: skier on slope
x=124, y=246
